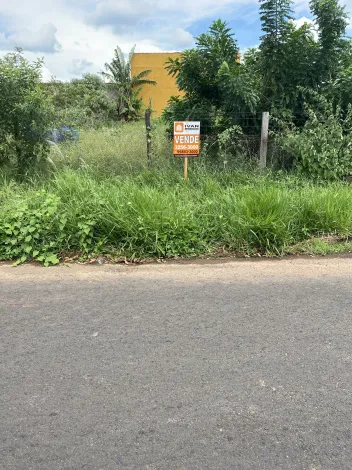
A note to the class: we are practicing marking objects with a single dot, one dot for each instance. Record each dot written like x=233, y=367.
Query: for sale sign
x=187, y=139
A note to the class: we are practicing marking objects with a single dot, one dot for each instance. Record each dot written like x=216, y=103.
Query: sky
x=79, y=36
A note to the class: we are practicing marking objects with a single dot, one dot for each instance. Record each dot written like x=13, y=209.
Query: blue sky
x=79, y=36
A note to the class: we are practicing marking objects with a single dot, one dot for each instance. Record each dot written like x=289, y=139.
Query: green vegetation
x=322, y=246
x=127, y=87
x=303, y=81
x=113, y=150
x=323, y=147
x=97, y=196
x=25, y=113
x=81, y=103
x=218, y=91
x=159, y=214
x=93, y=102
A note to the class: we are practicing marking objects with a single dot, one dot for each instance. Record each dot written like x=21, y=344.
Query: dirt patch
x=223, y=270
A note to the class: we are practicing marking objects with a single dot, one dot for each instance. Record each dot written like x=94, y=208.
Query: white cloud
x=182, y=38
x=301, y=6
x=84, y=33
x=164, y=23
x=304, y=20
x=46, y=74
x=80, y=66
x=124, y=14
x=43, y=40
x=119, y=15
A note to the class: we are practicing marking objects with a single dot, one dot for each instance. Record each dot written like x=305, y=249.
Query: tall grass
x=121, y=150
x=114, y=150
x=157, y=213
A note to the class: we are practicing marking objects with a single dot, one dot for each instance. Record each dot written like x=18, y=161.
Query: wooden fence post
x=149, y=137
x=264, y=140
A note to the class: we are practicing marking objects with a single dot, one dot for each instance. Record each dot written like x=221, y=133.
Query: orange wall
x=166, y=85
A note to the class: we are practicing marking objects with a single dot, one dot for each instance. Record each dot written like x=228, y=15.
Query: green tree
x=275, y=16
x=299, y=72
x=331, y=64
x=287, y=62
x=25, y=113
x=215, y=84
x=331, y=20
x=127, y=86
x=197, y=71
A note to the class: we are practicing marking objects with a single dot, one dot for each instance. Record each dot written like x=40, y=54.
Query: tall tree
x=275, y=16
x=197, y=70
x=128, y=87
x=210, y=75
x=331, y=20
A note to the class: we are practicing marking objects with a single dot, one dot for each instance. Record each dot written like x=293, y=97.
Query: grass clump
x=158, y=214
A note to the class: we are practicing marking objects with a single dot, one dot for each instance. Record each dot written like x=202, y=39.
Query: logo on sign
x=179, y=127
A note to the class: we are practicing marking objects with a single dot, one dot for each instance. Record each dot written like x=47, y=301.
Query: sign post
x=186, y=141
x=185, y=169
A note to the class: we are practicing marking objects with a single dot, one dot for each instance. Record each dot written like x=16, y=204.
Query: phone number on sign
x=187, y=147
x=187, y=152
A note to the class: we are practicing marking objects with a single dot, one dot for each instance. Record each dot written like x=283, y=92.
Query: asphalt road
x=242, y=365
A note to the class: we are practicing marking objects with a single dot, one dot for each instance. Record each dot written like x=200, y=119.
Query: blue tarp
x=64, y=134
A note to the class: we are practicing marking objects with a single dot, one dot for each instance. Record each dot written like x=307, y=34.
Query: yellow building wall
x=166, y=84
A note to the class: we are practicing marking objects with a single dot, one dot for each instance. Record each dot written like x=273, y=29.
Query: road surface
x=239, y=365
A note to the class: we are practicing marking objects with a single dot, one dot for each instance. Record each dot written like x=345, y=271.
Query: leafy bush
x=31, y=228
x=39, y=227
x=25, y=113
x=81, y=103
x=228, y=143
x=323, y=148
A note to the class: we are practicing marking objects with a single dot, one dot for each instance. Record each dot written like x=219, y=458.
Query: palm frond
x=107, y=76
x=120, y=56
x=142, y=82
x=141, y=75
x=131, y=54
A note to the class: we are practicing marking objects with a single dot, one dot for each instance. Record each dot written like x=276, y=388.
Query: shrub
x=25, y=113
x=32, y=228
x=323, y=148
x=81, y=103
